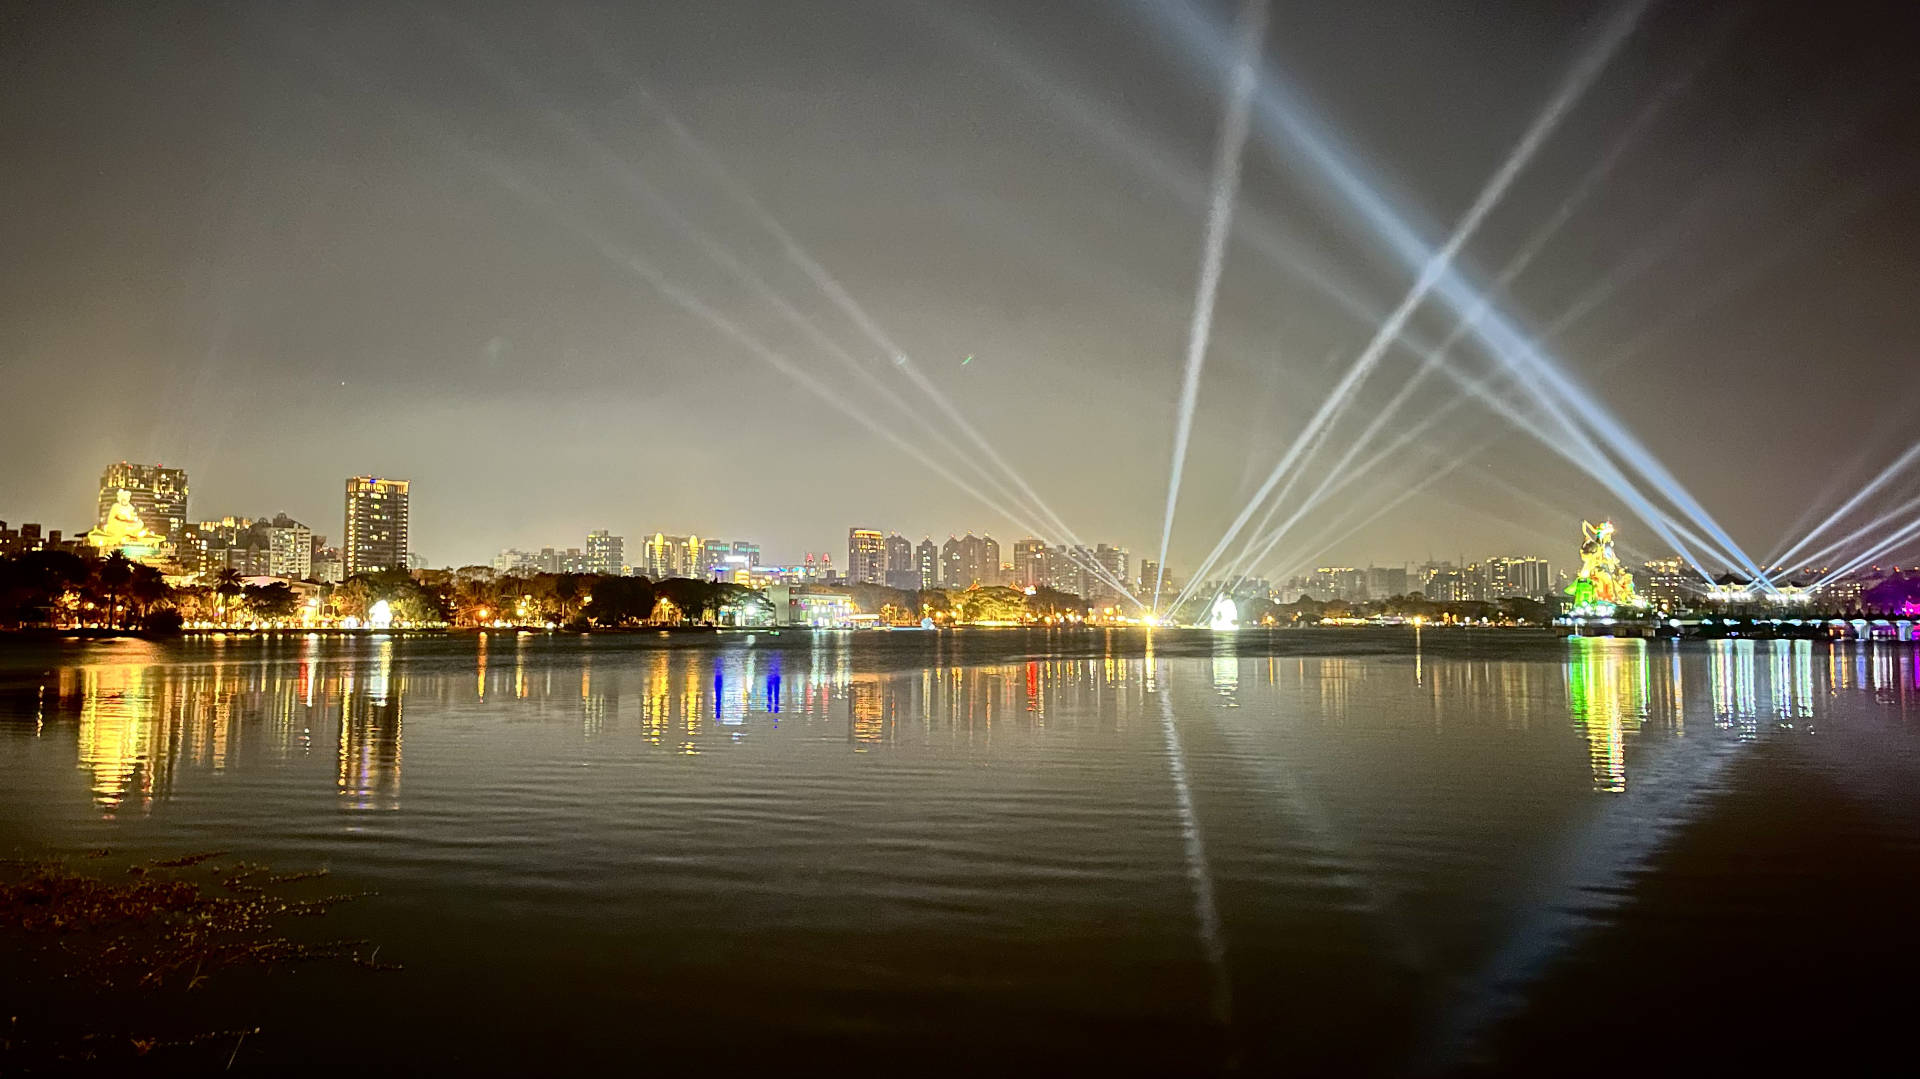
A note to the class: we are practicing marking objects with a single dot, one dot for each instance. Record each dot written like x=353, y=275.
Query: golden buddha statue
x=124, y=531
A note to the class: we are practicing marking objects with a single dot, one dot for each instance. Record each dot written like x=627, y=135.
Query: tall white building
x=290, y=549
x=606, y=553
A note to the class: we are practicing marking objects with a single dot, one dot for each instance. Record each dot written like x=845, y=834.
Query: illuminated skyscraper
x=987, y=569
x=657, y=557
x=926, y=562
x=606, y=553
x=866, y=556
x=376, y=535
x=158, y=494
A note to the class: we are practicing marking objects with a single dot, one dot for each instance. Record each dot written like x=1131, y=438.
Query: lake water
x=1012, y=852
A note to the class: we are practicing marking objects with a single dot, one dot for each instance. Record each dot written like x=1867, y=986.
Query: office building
x=376, y=520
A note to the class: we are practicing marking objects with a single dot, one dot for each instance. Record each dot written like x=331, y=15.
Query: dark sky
x=281, y=244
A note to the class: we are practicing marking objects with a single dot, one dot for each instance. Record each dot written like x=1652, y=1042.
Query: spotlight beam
x=1435, y=265
x=1251, y=32
x=1868, y=491
x=1283, y=118
x=1870, y=528
x=537, y=200
x=831, y=286
x=637, y=184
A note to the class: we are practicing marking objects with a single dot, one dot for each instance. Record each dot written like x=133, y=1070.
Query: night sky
x=281, y=244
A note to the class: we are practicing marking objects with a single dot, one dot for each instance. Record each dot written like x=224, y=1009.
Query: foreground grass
x=91, y=937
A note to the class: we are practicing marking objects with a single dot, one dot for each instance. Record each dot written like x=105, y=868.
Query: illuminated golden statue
x=124, y=531
x=1602, y=580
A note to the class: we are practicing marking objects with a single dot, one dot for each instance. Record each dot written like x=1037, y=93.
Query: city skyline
x=599, y=547
x=1051, y=320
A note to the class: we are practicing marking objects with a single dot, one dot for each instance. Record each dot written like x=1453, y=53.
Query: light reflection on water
x=1462, y=816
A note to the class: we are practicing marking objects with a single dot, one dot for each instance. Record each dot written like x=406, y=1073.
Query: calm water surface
x=1315, y=852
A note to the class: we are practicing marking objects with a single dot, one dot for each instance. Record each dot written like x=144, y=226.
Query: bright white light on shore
x=1226, y=615
x=380, y=615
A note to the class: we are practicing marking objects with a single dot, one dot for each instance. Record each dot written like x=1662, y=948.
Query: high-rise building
x=376, y=535
x=1102, y=589
x=1530, y=577
x=901, y=571
x=926, y=562
x=1339, y=582
x=1385, y=582
x=1029, y=563
x=1667, y=585
x=289, y=549
x=969, y=560
x=657, y=557
x=682, y=556
x=952, y=564
x=748, y=551
x=606, y=553
x=1150, y=575
x=866, y=556
x=1070, y=570
x=713, y=558
x=1443, y=582
x=158, y=494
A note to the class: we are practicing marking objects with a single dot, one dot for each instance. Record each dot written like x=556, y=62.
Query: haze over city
x=282, y=247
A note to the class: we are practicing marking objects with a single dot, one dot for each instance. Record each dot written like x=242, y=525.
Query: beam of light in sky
x=1434, y=265
x=1867, y=491
x=1517, y=265
x=637, y=184
x=1251, y=33
x=1302, y=261
x=539, y=200
x=1438, y=354
x=1338, y=531
x=1286, y=122
x=1870, y=529
x=831, y=286
x=1872, y=555
x=1206, y=910
x=822, y=278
